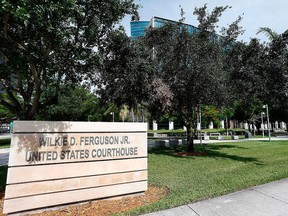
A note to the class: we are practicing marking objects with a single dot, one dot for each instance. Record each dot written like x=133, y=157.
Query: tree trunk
x=190, y=140
x=226, y=126
x=133, y=116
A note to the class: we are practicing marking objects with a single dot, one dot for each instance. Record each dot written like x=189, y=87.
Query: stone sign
x=57, y=163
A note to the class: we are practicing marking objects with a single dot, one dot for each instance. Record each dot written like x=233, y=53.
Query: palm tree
x=268, y=32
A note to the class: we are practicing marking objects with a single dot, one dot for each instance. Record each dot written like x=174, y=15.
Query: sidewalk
x=4, y=156
x=265, y=200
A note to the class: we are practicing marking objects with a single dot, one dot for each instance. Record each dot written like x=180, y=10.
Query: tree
x=276, y=68
x=126, y=70
x=191, y=66
x=259, y=76
x=75, y=103
x=5, y=115
x=46, y=43
x=268, y=32
x=276, y=73
x=246, y=66
x=211, y=114
x=128, y=73
x=123, y=113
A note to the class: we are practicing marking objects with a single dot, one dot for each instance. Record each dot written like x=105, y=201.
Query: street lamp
x=266, y=106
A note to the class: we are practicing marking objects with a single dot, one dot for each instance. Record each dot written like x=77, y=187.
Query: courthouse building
x=138, y=28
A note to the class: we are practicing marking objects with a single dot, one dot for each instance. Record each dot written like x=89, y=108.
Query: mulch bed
x=107, y=207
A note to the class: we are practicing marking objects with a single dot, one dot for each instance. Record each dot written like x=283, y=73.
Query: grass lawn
x=228, y=167
x=3, y=175
x=5, y=143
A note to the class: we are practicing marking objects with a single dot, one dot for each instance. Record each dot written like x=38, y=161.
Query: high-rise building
x=138, y=28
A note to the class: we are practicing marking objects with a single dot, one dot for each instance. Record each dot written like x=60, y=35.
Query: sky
x=256, y=14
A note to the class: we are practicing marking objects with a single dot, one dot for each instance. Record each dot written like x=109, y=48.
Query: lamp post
x=267, y=111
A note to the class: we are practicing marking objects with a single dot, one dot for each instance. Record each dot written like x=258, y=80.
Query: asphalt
x=4, y=157
x=270, y=199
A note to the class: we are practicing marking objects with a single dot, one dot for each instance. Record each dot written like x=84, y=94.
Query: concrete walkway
x=265, y=200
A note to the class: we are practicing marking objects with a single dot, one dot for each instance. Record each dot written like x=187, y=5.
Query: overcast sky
x=256, y=13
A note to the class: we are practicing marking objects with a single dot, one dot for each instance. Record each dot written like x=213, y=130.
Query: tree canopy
x=258, y=72
x=193, y=65
x=174, y=71
x=47, y=43
x=49, y=48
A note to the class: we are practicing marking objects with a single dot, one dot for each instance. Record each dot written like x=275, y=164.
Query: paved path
x=265, y=200
x=4, y=156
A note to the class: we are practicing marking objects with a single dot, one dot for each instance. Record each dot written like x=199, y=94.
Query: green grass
x=5, y=143
x=3, y=175
x=227, y=168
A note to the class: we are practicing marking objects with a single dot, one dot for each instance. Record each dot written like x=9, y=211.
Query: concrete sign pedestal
x=57, y=163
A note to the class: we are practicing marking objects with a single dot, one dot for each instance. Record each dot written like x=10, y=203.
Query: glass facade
x=159, y=22
x=138, y=28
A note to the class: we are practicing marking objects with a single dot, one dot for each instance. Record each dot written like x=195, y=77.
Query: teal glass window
x=138, y=28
